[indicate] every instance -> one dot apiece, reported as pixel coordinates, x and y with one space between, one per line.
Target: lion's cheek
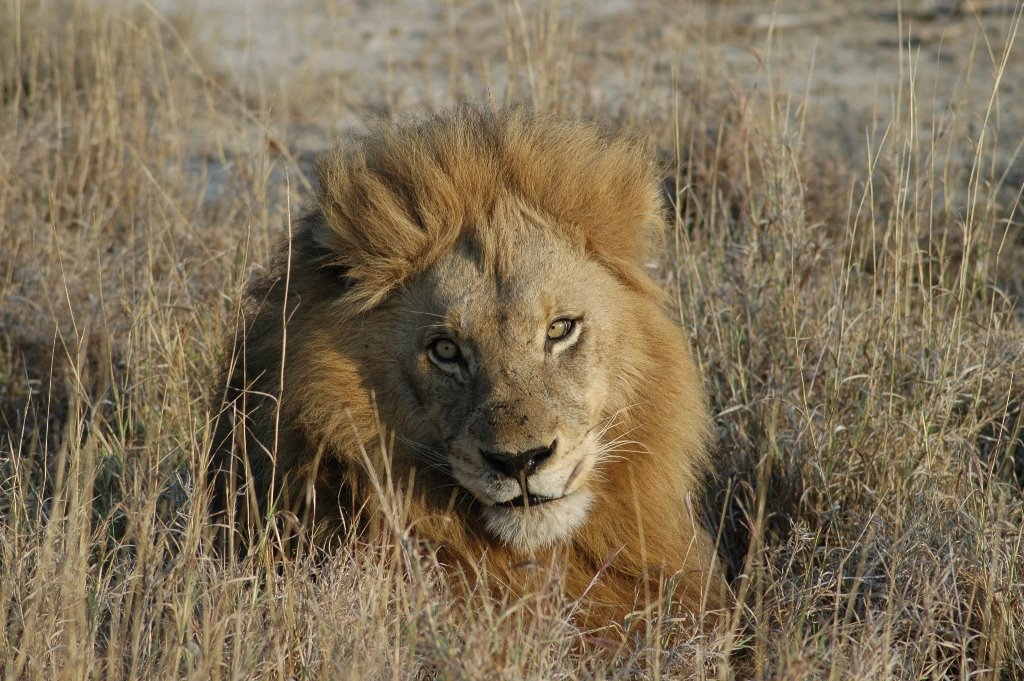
439 405
578 478
587 392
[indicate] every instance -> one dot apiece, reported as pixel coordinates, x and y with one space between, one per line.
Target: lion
466 316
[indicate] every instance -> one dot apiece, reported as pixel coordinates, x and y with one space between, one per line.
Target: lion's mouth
526 501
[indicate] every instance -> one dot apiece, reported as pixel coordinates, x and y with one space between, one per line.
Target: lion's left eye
560 328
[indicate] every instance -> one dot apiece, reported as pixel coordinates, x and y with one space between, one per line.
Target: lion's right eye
445 350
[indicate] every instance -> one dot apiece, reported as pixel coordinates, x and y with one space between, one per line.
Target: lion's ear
366 225
390 206
611 196
598 185
627 192
627 195
630 252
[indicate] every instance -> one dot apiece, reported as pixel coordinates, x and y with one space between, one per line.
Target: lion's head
510 355
472 290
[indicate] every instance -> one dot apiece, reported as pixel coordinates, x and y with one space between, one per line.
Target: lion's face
510 365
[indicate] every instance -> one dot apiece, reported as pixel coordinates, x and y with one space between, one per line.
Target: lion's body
417 295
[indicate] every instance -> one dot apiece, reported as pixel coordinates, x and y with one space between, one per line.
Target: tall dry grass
857 313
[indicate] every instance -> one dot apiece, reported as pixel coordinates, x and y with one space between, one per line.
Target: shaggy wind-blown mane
404 194
306 436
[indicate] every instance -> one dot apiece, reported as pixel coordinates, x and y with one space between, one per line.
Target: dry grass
857 312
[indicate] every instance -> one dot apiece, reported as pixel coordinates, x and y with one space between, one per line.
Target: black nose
519 464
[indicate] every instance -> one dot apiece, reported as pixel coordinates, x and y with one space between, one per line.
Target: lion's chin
529 528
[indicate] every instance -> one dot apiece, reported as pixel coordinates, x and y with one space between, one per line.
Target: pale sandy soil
846 61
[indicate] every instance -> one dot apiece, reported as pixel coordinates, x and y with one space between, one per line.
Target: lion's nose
519 464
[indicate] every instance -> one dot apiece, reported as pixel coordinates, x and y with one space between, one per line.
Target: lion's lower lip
526 501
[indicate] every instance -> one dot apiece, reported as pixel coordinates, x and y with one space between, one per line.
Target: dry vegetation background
848 254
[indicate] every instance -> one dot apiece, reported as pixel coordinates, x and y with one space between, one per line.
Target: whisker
429 314
611 421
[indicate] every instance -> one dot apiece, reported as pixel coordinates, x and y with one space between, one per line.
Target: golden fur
479 234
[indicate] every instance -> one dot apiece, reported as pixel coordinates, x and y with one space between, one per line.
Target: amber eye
560 328
445 350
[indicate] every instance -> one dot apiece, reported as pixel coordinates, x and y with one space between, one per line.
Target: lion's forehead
508 305
533 268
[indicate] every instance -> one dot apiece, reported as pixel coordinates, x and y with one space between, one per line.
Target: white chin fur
529 529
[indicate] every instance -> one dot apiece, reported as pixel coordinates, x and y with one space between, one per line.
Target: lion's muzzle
519 465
